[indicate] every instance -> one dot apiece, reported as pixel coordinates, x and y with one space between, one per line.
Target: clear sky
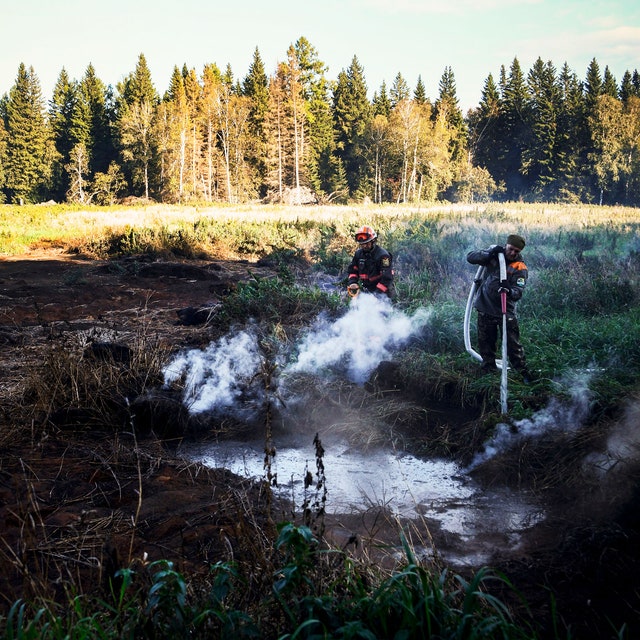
411 37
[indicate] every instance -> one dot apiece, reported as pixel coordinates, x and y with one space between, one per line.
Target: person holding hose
488 303
371 266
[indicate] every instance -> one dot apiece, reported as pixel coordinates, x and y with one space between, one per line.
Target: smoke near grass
226 373
357 341
217 377
622 451
566 415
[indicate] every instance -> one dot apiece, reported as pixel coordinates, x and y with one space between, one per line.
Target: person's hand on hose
495 250
504 289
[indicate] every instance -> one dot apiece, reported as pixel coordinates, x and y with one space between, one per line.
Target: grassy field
584 262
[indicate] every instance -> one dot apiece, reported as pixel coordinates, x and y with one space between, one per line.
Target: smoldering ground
229 375
318 383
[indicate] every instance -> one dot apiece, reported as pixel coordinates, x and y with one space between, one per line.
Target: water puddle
475 522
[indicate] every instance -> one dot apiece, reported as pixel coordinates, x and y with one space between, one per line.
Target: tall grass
584 263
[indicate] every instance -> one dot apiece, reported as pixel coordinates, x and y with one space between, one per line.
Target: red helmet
365 234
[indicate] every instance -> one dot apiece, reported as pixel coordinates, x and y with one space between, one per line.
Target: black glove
494 251
506 290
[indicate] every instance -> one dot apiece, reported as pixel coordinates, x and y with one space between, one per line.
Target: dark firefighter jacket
373 269
487 298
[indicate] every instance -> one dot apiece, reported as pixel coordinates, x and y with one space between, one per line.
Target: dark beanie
516 241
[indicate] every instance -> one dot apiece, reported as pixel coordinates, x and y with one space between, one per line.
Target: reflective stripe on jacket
373 269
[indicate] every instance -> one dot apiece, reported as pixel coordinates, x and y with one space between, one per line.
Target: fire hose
503 363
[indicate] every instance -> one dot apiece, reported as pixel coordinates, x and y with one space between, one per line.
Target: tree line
296 136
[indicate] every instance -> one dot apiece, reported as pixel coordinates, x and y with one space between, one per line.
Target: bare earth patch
79 504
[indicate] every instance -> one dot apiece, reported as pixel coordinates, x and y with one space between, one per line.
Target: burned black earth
78 501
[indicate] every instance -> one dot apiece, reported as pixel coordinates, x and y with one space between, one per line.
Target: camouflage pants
489 328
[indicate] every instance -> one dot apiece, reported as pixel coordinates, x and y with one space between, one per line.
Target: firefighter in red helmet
371 267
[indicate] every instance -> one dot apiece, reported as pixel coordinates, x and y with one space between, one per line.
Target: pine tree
378 150
3 147
420 93
399 90
212 90
381 102
175 132
29 145
352 113
193 96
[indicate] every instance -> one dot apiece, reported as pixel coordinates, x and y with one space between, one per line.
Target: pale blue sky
413 37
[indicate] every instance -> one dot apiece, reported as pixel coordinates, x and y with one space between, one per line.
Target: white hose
467 317
505 361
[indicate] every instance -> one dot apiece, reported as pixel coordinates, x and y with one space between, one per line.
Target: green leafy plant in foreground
321 593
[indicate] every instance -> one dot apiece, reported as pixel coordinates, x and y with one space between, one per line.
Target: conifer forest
296 136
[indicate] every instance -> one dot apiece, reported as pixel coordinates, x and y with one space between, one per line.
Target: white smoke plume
622 450
217 376
556 416
357 341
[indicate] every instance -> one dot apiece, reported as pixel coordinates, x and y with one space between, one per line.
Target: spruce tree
352 113
420 93
135 108
571 137
593 85
448 106
61 108
256 88
609 84
321 168
381 102
538 156
99 103
515 133
626 87
29 147
399 90
483 125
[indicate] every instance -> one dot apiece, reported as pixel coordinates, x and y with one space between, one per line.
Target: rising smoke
221 376
217 377
566 415
359 340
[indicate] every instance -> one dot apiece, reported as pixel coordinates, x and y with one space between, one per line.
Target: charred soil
78 501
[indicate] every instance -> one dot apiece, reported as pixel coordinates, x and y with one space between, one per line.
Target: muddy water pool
475 522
